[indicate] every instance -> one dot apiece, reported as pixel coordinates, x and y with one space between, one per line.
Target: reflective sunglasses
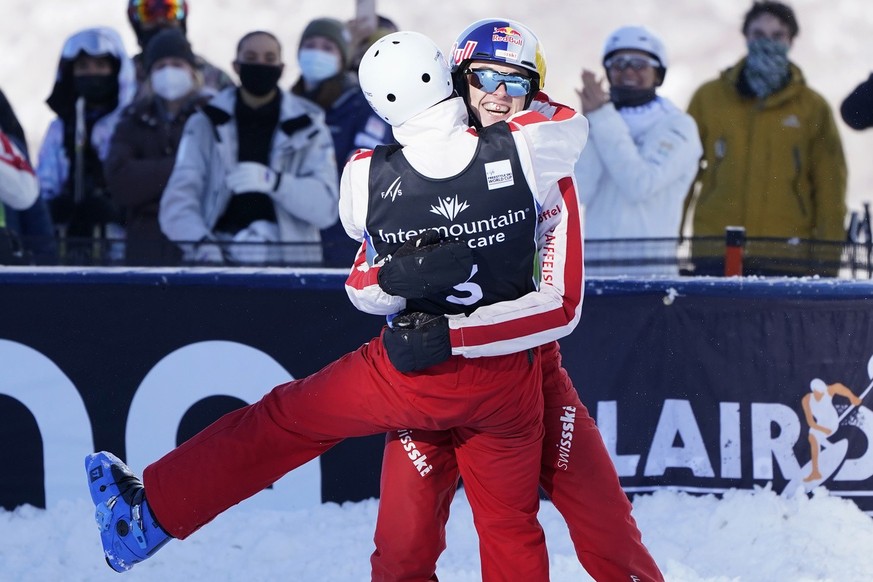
488 80
637 63
149 11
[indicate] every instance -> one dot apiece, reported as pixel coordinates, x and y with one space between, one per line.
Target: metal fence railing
614 257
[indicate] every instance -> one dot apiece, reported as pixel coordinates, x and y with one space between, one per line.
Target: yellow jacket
775 166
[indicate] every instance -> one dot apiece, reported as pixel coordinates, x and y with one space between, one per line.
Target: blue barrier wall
696 384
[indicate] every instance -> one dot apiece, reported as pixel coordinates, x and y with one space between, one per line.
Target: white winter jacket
197 195
633 178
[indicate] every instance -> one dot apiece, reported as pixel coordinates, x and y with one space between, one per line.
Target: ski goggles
95 42
489 80
151 11
636 62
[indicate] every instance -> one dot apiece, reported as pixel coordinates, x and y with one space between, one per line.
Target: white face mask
172 82
316 65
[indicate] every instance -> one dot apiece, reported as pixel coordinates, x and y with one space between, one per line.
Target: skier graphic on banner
823 419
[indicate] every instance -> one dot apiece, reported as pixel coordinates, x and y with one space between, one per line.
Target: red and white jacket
19 187
438 143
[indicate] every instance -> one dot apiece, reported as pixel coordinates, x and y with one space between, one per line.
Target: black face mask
257 79
628 97
96 88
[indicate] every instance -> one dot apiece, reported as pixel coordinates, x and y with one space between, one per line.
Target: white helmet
637 38
403 74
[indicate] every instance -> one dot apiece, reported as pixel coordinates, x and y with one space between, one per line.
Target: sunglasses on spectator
150 11
489 80
637 63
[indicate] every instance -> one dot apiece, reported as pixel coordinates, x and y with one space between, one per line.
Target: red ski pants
494 406
576 473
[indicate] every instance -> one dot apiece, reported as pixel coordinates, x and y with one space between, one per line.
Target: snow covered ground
744 537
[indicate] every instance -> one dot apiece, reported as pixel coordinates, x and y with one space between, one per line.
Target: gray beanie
334 30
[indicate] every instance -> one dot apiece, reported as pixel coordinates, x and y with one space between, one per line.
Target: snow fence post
735 243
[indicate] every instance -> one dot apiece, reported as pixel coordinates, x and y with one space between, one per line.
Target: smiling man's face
490 108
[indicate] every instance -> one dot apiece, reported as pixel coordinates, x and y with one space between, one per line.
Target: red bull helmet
500 40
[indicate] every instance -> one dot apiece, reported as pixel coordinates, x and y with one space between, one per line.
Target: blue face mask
317 66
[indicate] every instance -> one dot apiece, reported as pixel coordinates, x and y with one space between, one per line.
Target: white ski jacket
197 195
438 143
634 176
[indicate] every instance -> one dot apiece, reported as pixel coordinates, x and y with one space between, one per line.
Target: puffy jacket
774 166
633 177
138 167
197 195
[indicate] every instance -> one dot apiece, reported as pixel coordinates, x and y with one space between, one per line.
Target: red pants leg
361 394
414 505
580 479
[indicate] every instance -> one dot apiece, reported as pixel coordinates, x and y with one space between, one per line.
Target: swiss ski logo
393 190
449 208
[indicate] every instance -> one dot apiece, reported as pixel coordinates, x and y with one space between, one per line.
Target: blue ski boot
128 530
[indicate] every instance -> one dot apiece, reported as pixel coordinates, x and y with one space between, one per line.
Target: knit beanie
170 42
334 30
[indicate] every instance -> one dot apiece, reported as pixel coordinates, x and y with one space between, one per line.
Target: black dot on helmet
391 97
376 54
425 78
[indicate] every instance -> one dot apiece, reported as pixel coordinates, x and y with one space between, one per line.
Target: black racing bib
489 205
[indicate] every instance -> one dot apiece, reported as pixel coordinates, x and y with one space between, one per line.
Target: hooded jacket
55 162
774 166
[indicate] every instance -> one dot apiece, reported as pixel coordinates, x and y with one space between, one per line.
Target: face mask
259 80
316 65
96 88
172 83
767 68
630 97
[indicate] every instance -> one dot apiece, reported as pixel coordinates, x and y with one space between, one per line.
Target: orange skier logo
820 409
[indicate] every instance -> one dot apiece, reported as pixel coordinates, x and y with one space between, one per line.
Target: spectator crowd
163 158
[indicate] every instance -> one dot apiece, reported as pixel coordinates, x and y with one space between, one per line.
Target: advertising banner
696 385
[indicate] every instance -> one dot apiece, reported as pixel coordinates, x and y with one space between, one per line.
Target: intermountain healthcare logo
449 208
828 456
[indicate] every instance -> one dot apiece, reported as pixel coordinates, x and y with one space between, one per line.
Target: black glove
417 341
424 265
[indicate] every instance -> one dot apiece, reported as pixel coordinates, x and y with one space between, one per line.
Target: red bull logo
460 54
507 34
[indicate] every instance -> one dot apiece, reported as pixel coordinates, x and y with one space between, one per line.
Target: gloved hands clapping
252 177
417 340
425 265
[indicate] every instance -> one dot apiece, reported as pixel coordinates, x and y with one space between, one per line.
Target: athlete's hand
425 265
417 340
